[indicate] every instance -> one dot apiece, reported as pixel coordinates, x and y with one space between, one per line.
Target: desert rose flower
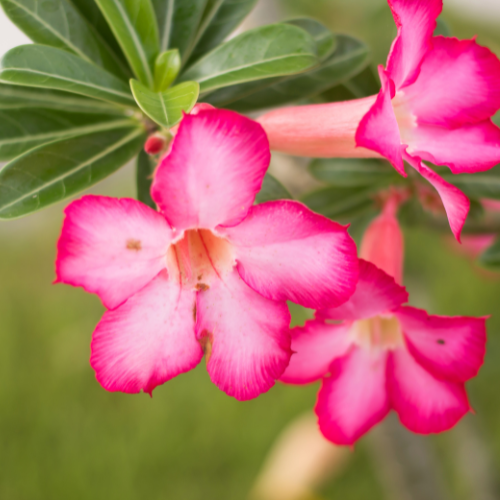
374 355
437 99
209 272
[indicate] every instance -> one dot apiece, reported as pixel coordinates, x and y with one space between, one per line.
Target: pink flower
374 354
437 99
209 273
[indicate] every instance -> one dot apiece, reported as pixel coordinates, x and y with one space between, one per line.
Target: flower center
379 332
199 257
407 121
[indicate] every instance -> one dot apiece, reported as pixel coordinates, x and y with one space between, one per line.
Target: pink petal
213 171
471 148
416 22
148 340
424 403
455 202
379 128
318 130
450 348
111 247
354 398
246 337
376 293
286 252
457 85
315 346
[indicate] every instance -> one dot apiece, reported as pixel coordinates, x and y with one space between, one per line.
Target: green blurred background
63 437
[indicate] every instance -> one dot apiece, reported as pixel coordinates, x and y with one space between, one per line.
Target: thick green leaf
55 171
165 108
272 190
491 257
325 39
48 67
364 84
274 50
220 19
134 24
167 67
340 203
59 24
144 177
23 129
350 56
478 185
17 97
178 22
342 172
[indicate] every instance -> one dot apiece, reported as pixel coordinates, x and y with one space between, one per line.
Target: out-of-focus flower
209 273
374 354
437 99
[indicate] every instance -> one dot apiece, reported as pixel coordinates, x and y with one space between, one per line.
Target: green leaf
274 50
478 185
491 257
17 97
272 190
23 129
48 67
325 39
144 176
167 67
354 172
364 84
165 108
59 24
134 24
220 19
341 203
56 171
350 56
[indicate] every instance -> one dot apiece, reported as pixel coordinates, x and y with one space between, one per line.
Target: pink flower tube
437 99
210 272
374 355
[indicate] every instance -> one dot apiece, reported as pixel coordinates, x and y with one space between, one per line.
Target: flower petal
450 348
379 130
455 202
457 85
467 149
285 251
111 247
245 337
416 22
376 293
315 346
215 168
424 403
354 398
148 340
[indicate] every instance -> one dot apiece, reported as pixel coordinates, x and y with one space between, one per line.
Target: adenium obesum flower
437 99
374 354
209 272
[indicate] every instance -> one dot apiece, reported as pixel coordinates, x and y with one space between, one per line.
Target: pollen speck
441 342
134 245
194 312
202 287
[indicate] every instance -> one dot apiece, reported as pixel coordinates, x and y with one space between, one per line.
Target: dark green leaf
167 67
144 177
220 19
165 108
55 171
364 84
350 56
325 39
59 24
17 97
48 67
23 129
272 190
442 27
340 203
134 24
343 172
274 50
478 185
491 257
